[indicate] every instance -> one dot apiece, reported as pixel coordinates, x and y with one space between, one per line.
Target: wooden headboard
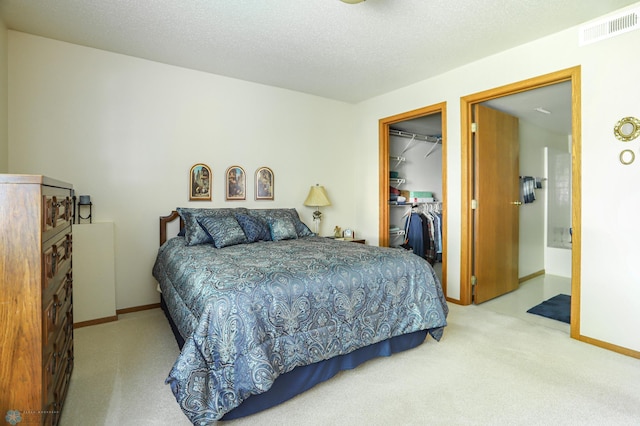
164 225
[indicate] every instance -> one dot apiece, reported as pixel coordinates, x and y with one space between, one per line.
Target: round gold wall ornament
627 129
627 157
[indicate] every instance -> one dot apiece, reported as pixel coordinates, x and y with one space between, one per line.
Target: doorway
430 117
468 104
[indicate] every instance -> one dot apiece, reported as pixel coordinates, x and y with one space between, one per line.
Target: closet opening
412 184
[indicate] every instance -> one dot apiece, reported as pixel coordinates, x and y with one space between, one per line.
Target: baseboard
95 321
137 308
115 317
610 346
531 276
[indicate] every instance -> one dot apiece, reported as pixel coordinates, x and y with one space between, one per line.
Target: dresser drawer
51 414
57 210
66 368
57 358
56 261
50 370
56 310
54 365
63 379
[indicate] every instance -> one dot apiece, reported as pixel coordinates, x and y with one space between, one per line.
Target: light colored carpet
489 369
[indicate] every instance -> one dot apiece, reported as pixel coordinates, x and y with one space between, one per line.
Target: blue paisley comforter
252 312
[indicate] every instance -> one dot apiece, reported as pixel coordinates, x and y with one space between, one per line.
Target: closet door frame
384 125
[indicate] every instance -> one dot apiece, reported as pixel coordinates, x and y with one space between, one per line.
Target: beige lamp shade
317 197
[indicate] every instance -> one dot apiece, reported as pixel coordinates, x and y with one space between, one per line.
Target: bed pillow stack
282 229
254 228
194 232
230 226
281 219
224 231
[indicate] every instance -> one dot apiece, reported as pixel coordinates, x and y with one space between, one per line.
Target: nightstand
351 240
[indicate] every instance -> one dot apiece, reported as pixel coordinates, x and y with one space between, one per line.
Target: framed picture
264 183
200 183
348 233
236 183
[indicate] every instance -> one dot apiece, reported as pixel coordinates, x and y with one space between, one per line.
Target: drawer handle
54 313
54 211
55 363
67 247
67 208
54 263
69 284
70 364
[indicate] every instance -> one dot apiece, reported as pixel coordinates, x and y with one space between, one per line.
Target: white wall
558 245
4 134
126 131
533 139
610 293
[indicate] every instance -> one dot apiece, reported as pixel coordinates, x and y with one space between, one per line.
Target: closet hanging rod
416 136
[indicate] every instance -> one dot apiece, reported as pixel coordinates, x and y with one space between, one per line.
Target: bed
264 309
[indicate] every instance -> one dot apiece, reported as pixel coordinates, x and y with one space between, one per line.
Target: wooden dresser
36 309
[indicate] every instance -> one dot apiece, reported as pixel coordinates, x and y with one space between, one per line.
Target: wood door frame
466 105
383 133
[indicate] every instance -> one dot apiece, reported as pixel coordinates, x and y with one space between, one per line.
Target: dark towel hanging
527 189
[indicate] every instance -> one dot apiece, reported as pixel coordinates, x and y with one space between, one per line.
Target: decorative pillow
194 233
301 229
267 215
224 231
282 229
254 228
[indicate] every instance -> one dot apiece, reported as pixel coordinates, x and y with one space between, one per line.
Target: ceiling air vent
610 26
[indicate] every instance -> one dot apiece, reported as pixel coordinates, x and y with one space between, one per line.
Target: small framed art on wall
200 183
264 183
236 183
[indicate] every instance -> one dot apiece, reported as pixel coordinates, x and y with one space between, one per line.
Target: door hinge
474 204
474 281
474 127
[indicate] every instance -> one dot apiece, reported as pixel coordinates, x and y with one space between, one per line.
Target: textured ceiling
322 47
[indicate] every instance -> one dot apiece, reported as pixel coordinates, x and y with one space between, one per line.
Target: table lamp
317 198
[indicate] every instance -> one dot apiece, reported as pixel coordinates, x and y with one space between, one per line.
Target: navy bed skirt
304 378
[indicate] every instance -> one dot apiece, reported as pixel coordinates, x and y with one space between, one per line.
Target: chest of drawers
36 297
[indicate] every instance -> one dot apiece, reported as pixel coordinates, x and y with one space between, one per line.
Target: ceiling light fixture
542 110
352 1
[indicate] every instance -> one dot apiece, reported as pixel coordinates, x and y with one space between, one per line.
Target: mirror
627 129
